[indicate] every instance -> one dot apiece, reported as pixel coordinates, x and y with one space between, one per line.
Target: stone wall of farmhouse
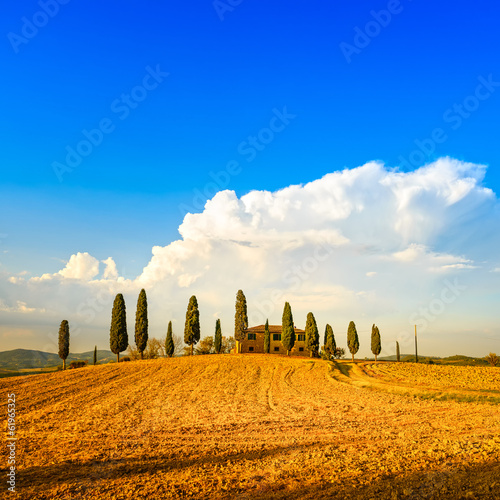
276 347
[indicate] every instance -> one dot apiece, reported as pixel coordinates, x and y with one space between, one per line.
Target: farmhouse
254 341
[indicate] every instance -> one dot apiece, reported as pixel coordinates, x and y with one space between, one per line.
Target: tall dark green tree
287 329
141 323
267 338
218 338
64 341
330 344
169 341
398 355
192 326
376 343
118 337
95 355
352 339
240 318
312 335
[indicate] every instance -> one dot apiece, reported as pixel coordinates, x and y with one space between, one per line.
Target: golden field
256 427
440 382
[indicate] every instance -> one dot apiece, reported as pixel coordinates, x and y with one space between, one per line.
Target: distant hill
21 359
458 360
392 358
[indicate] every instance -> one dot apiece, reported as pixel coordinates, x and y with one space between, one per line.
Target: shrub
325 354
492 359
339 352
154 349
206 346
77 364
125 358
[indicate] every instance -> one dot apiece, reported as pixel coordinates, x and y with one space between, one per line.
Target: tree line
329 348
152 348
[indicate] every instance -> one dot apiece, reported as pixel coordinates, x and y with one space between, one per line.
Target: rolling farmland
257 427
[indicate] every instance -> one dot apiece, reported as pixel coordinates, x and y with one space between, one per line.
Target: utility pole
416 351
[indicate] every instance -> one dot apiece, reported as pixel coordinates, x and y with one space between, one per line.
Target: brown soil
244 427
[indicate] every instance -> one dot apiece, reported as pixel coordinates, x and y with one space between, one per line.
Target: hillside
456 360
21 359
247 427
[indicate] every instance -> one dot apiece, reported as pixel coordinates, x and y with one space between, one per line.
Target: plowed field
252 427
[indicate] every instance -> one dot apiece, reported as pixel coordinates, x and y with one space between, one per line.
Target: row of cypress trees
288 332
118 332
353 340
119 339
119 336
312 335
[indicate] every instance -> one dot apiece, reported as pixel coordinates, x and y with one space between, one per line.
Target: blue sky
350 98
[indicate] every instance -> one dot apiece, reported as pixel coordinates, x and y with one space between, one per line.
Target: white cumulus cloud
313 245
110 272
81 266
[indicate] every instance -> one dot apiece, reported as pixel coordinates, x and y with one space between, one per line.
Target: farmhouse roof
272 329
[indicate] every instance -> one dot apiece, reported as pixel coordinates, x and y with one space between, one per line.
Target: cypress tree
95 355
287 329
169 341
64 341
218 338
352 339
267 338
312 335
118 337
240 317
376 344
192 326
398 357
141 323
330 345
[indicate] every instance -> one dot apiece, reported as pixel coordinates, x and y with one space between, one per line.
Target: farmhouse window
301 337
277 349
301 349
250 348
252 336
276 336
